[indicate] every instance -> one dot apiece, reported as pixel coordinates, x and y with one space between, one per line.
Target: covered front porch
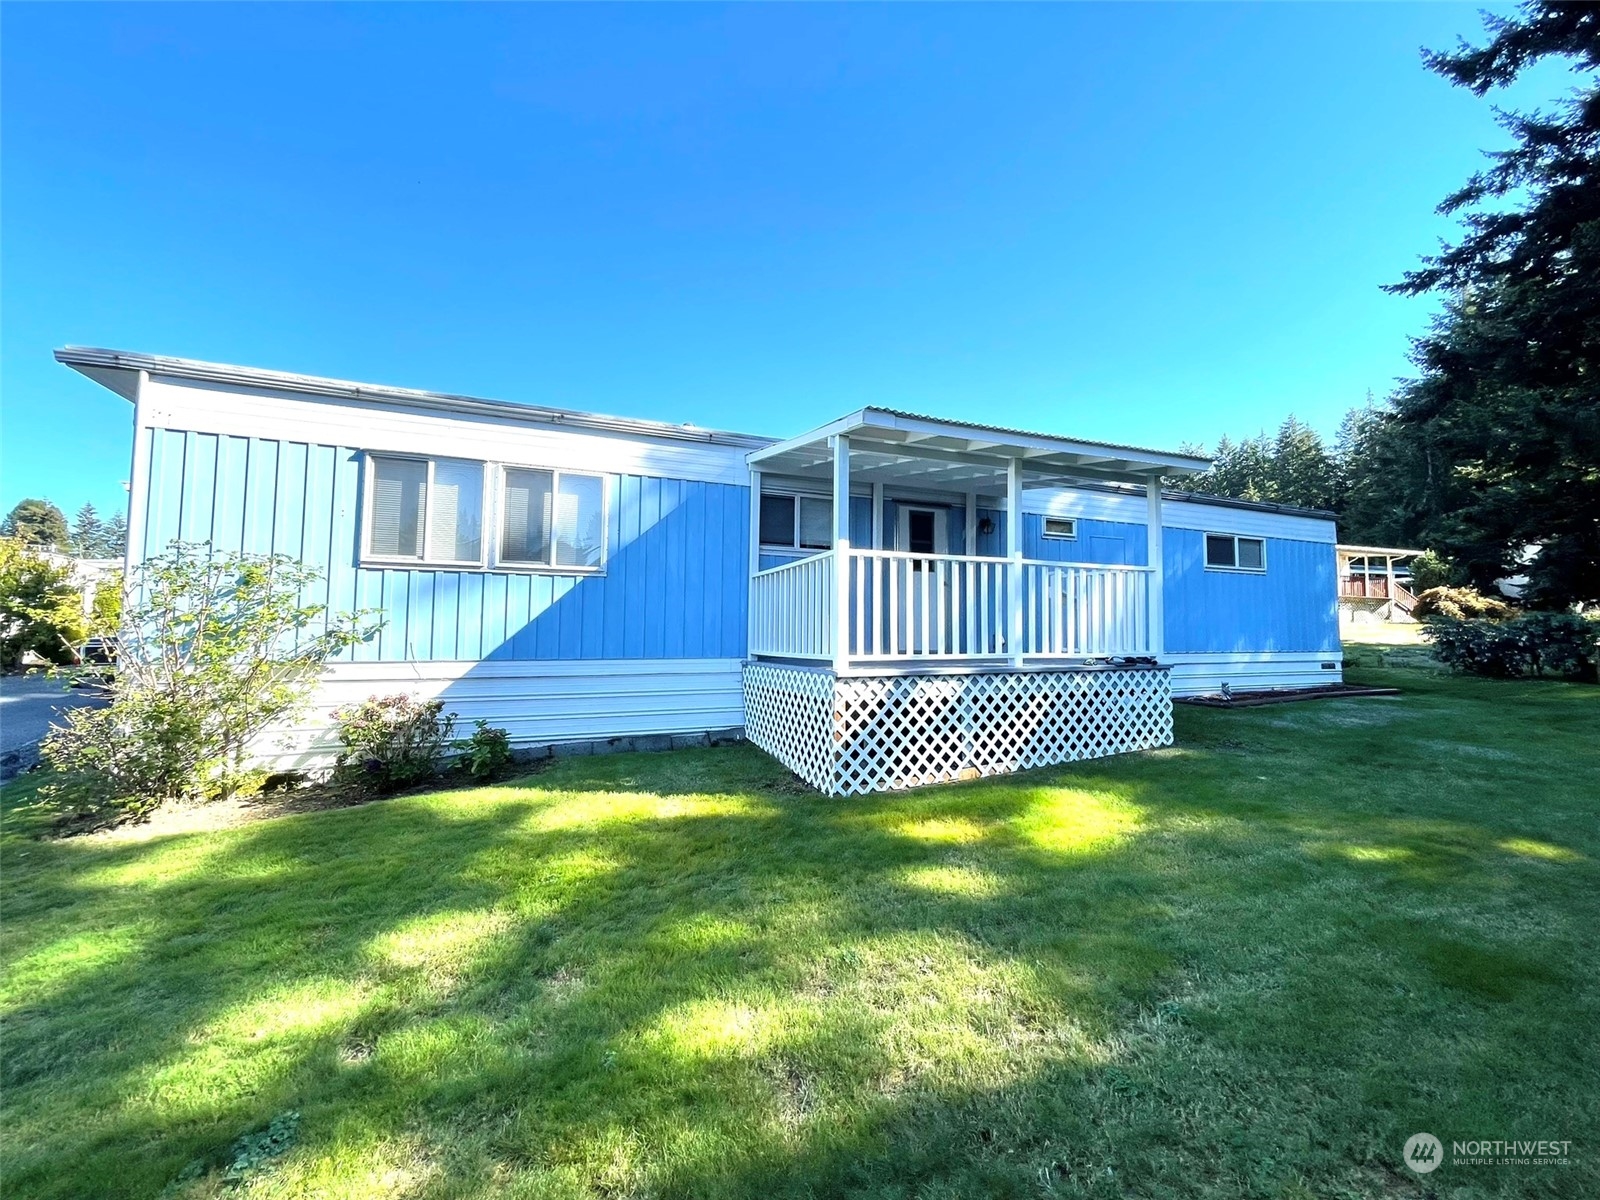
913 592
900 633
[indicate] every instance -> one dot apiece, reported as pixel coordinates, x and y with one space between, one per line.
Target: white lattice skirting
875 733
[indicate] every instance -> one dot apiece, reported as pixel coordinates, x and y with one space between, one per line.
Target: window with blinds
425 510
552 519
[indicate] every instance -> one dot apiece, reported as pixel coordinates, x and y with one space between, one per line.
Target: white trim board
538 703
1205 673
395 428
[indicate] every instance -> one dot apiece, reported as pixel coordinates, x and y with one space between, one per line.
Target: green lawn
1250 965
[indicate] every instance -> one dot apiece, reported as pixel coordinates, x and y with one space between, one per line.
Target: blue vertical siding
1289 607
674 585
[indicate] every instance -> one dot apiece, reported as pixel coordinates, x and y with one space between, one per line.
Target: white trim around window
563 485
426 524
1234 552
818 507
1060 528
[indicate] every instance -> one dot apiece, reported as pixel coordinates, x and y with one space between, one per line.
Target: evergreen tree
1504 416
37 524
88 533
114 537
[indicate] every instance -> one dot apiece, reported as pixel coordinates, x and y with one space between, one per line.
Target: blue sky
1137 223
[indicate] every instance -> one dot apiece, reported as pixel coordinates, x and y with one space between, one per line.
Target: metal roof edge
85 358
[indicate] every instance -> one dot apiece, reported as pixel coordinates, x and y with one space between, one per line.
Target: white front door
924 590
922 530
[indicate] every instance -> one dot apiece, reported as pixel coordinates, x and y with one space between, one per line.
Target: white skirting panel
874 733
539 703
1203 674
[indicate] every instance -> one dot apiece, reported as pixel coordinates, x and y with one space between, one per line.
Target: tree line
40 525
1490 455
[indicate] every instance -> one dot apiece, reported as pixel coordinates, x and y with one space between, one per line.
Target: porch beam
1157 564
841 551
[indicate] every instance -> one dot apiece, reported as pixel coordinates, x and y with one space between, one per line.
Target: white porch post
969 540
1157 564
877 517
841 552
1014 553
751 616
1388 563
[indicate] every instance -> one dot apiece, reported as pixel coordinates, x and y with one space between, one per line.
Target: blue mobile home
883 601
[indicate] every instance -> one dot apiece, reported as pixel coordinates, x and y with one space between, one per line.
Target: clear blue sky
1136 223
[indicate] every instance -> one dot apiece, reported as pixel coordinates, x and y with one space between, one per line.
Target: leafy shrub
1460 604
487 752
119 762
391 742
1564 645
215 649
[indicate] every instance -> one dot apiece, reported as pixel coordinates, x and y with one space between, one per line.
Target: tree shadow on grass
671 974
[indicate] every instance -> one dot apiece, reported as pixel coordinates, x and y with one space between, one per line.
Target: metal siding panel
442 615
712 592
496 643
469 615
227 519
199 487
166 490
520 615
732 594
564 605
613 606
289 508
697 567
631 567
649 589
674 552
260 495
348 588
396 587
315 533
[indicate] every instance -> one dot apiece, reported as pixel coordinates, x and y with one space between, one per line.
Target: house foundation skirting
857 734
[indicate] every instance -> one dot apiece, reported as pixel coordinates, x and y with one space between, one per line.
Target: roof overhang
1376 552
910 450
119 370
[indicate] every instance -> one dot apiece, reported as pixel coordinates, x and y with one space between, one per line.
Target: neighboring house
86 574
883 601
1375 584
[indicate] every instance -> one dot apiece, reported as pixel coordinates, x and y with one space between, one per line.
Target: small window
425 510
552 519
1226 552
803 522
1060 527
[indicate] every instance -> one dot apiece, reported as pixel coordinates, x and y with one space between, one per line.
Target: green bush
1563 645
391 742
486 753
1460 604
215 649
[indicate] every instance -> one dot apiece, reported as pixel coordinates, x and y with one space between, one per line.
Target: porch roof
887 446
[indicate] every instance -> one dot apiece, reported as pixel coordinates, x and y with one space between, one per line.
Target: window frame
422 561
1070 536
793 546
1235 538
497 563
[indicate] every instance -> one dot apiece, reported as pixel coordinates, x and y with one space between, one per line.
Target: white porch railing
899 605
791 613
